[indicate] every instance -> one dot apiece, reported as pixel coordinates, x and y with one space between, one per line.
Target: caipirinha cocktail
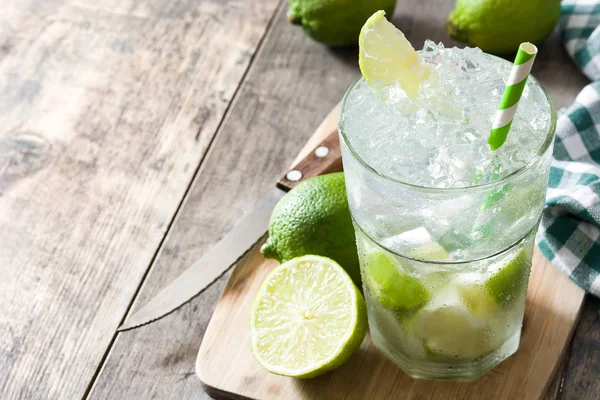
445 227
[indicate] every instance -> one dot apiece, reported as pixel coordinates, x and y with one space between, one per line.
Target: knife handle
313 160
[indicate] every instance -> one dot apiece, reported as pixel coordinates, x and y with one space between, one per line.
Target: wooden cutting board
228 370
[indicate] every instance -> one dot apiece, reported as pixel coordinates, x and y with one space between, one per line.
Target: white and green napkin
569 234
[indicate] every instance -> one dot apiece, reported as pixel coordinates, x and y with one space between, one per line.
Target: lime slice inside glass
488 297
475 295
392 329
449 329
393 288
430 251
307 318
507 283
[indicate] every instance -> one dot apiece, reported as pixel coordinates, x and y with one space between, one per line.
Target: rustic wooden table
134 134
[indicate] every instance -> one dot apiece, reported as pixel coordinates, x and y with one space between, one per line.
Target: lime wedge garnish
307 318
387 58
393 288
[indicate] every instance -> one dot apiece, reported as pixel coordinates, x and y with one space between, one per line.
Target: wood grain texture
280 104
107 108
577 377
554 389
290 88
552 307
582 372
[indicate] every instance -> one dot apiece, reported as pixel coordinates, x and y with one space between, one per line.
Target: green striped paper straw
512 94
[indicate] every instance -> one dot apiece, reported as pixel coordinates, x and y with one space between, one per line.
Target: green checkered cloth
569 234
578 23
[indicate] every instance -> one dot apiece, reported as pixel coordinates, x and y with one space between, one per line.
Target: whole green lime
314 218
335 22
500 26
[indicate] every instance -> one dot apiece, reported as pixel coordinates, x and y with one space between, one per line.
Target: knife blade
324 157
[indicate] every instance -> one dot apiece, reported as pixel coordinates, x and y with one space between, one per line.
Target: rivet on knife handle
325 158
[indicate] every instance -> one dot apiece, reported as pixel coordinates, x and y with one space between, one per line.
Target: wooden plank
552 307
554 389
279 105
107 108
289 90
583 368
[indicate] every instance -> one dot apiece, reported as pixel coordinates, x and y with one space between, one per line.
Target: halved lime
387 58
393 289
307 318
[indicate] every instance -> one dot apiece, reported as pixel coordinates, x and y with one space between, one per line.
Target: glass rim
541 151
531 232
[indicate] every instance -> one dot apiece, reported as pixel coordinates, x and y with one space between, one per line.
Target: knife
319 156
